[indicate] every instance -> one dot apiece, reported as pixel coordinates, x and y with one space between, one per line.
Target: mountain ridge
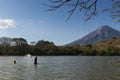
102 33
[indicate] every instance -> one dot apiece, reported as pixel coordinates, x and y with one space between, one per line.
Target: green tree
4 45
89 46
112 50
19 41
46 47
21 45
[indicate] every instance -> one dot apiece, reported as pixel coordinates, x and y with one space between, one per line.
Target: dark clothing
14 62
35 60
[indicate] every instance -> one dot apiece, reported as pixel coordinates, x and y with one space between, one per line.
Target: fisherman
35 60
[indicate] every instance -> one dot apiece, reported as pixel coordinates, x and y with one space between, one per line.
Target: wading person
14 62
35 60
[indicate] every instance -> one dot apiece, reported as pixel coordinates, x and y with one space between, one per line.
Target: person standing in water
35 60
14 62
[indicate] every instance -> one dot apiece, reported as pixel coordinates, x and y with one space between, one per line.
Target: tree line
46 48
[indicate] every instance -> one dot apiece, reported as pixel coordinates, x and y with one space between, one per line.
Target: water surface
60 68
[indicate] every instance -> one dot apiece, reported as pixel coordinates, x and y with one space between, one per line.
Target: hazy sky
27 19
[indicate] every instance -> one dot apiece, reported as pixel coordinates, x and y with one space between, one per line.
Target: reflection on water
60 68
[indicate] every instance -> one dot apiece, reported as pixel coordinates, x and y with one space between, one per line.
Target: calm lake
60 68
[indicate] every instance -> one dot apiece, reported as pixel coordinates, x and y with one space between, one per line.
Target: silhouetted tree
89 7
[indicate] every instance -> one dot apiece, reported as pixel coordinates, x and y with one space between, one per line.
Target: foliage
19 41
49 48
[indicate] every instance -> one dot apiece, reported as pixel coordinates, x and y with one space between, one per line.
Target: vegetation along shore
46 48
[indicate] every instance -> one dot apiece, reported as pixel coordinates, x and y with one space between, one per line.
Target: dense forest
46 48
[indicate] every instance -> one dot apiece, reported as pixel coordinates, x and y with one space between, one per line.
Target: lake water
60 68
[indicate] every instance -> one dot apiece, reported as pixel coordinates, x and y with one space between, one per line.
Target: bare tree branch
89 7
59 3
72 11
114 10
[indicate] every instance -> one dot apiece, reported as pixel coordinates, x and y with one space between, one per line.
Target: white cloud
7 23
